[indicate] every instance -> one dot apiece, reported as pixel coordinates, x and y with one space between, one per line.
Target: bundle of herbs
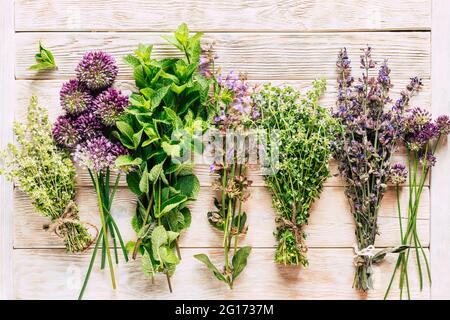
421 136
91 108
302 132
160 129
372 129
233 112
47 175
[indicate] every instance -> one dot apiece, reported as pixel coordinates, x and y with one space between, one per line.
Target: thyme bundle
160 129
91 108
234 111
422 136
303 132
364 150
47 175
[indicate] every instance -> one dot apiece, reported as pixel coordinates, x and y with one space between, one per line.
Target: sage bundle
47 175
303 132
234 111
372 127
159 130
92 107
421 136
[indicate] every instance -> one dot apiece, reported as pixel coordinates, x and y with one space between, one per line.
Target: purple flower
109 105
75 97
65 132
427 161
97 70
98 154
88 126
398 174
207 60
443 124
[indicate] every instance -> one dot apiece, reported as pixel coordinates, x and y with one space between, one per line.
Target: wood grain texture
329 276
270 56
440 206
7 99
239 15
330 225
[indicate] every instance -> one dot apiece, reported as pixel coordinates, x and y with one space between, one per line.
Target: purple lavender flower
97 70
88 126
65 132
443 124
75 97
398 174
98 154
109 105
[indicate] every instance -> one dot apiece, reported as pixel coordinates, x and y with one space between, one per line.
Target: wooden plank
218 15
440 206
328 276
48 93
7 99
267 56
331 224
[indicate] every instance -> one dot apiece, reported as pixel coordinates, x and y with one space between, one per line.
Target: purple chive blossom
75 97
97 70
443 124
427 161
65 132
88 126
398 174
109 105
98 154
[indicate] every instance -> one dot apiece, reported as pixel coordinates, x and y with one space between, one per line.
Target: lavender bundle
91 107
422 137
364 149
234 111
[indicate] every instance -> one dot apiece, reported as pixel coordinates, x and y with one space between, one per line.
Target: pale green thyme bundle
47 175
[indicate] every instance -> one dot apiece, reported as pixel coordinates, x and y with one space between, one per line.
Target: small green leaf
172 150
127 160
125 129
133 180
189 186
44 59
143 184
135 223
130 246
240 260
147 266
156 172
132 61
204 258
171 204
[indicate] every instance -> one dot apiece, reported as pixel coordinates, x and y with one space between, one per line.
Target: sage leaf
205 259
240 260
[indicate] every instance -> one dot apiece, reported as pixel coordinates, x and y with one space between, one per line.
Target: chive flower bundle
92 107
421 136
47 175
372 127
303 131
233 111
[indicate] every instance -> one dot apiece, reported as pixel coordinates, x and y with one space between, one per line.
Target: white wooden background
273 40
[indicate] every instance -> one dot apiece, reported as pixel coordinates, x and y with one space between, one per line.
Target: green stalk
102 215
91 264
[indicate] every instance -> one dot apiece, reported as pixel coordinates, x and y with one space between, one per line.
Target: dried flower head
98 154
398 174
97 70
65 132
75 97
109 105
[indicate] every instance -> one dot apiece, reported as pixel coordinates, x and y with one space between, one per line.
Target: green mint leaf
204 258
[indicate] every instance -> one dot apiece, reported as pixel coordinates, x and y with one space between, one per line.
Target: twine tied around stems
360 255
297 233
70 216
359 259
